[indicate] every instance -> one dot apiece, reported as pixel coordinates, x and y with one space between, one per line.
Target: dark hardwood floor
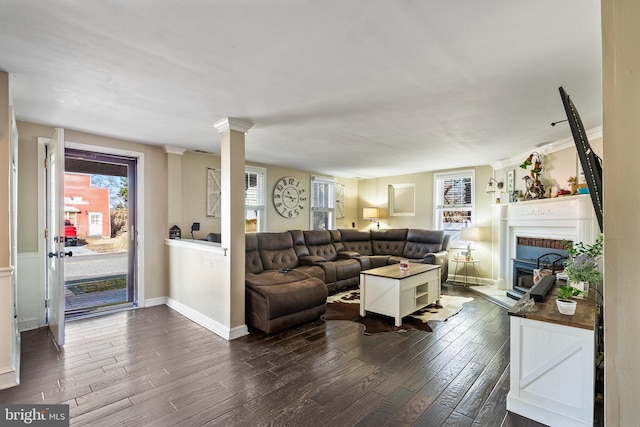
154 367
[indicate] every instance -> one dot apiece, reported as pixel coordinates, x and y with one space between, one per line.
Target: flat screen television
590 162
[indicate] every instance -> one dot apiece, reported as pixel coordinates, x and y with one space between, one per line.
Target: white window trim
454 174
332 209
262 223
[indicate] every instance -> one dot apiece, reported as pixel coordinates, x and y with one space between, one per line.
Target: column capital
228 123
174 150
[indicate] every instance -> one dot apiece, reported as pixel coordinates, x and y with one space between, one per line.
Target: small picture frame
461 256
511 176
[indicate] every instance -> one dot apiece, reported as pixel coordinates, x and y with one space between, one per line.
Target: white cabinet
553 365
398 293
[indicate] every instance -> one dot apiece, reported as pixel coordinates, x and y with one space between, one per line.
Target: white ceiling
355 88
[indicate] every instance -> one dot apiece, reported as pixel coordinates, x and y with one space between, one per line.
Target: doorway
100 217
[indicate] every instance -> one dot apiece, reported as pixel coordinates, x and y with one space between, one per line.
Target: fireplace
544 255
530 230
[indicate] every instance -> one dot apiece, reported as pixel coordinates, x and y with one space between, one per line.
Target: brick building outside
86 207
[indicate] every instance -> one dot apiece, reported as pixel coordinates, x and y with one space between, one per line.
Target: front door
101 277
55 290
95 223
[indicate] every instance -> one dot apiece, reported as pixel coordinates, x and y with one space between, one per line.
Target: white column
232 221
503 261
174 187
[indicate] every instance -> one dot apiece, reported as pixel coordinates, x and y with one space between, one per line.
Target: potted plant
581 267
565 304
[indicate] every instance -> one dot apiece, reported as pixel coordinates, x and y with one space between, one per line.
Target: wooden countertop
547 311
393 271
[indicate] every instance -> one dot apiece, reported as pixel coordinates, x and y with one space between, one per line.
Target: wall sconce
491 188
372 214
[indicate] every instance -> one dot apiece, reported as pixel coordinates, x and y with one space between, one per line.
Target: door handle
53 254
69 254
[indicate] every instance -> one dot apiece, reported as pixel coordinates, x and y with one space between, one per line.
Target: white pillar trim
228 124
174 150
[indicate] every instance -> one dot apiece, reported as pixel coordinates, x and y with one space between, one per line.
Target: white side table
465 265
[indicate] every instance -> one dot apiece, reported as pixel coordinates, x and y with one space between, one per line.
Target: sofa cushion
273 277
311 270
276 250
252 261
421 242
299 244
388 242
336 239
356 241
319 244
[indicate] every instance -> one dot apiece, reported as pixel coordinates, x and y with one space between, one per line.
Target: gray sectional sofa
289 274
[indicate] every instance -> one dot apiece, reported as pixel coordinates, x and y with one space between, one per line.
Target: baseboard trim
471 280
155 301
9 379
215 327
29 324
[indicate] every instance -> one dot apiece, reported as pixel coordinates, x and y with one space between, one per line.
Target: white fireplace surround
562 218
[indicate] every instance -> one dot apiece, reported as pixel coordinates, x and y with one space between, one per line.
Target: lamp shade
370 213
470 234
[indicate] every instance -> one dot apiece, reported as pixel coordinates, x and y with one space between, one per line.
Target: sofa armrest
365 262
311 260
437 258
348 255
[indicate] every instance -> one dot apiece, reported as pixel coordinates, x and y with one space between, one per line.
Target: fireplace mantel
563 218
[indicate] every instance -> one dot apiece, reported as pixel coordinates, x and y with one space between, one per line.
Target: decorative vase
567 307
583 287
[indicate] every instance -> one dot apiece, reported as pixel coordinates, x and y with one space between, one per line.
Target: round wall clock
289 197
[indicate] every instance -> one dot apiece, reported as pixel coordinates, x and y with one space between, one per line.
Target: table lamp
372 214
470 234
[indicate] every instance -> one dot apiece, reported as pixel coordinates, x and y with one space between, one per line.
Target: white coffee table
397 293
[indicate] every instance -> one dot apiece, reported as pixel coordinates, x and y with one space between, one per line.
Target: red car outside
70 233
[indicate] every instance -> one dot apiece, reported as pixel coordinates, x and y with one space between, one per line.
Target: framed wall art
213 192
402 199
511 177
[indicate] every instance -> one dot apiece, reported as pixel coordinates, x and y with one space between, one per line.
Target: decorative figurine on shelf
573 182
527 187
534 187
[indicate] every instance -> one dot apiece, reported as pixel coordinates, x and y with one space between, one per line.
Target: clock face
289 197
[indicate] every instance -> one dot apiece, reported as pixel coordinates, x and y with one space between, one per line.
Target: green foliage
123 191
567 292
592 251
582 265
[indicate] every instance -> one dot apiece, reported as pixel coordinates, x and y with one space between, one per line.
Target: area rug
346 306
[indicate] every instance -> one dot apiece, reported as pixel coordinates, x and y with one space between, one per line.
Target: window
254 188
322 203
454 199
